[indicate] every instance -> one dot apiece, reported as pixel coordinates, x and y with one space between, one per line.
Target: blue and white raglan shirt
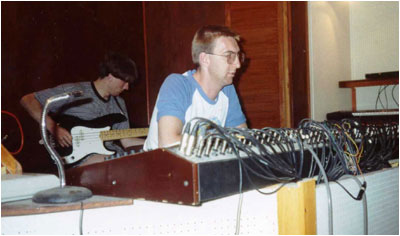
181 96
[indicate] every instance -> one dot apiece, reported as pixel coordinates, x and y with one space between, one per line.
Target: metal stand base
62 195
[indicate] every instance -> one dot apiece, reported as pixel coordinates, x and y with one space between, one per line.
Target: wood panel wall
300 86
259 84
170 27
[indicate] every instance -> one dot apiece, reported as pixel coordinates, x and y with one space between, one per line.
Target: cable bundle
329 150
381 144
279 154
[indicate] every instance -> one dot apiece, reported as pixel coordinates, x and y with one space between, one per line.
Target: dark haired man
206 92
101 98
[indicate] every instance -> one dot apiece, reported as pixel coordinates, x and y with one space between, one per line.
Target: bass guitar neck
123 133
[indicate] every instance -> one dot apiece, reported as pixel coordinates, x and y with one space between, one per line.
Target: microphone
63 194
64 96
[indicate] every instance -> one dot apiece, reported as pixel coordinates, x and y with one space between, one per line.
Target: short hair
204 39
119 66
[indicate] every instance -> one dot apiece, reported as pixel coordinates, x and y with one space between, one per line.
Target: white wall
346 41
374 40
329 38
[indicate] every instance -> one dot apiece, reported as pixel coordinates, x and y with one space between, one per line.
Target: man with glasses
100 100
205 92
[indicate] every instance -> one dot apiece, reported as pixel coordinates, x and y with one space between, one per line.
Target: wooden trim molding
284 64
146 61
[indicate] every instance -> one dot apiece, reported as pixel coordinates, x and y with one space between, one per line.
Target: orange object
12 166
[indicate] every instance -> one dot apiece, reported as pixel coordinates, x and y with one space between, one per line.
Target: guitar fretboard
123 133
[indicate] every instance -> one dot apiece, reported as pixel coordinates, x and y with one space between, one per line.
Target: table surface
28 207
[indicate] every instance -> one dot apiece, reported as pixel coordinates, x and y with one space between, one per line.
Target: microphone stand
62 194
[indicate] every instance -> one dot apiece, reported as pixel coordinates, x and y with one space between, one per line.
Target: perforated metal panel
215 217
382 201
62 223
259 214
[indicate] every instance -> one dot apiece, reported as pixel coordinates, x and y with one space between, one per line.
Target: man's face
117 86
220 69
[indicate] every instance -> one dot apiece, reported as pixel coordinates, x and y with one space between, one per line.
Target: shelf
353 84
367 82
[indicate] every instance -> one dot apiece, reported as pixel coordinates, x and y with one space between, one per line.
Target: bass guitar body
85 136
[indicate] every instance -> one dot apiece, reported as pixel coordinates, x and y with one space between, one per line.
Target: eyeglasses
231 56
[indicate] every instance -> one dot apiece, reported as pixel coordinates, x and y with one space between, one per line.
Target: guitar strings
95 135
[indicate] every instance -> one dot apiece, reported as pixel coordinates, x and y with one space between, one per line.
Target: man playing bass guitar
100 106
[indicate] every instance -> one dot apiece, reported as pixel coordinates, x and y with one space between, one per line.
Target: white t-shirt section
201 108
182 97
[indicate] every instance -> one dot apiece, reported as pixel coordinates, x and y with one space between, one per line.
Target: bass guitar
88 136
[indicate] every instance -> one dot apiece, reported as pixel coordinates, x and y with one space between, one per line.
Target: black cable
379 98
274 191
394 99
347 191
387 103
